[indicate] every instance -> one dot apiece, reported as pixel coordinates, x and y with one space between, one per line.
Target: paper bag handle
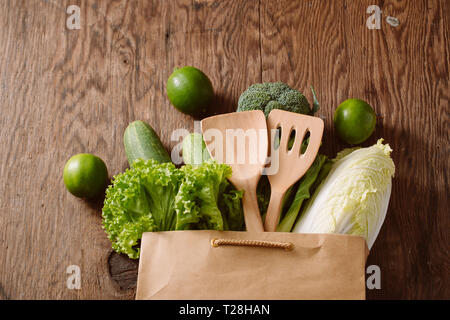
252 243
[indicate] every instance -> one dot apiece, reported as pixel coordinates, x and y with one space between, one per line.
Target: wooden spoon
292 165
246 156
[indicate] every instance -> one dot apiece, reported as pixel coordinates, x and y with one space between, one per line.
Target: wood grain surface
64 92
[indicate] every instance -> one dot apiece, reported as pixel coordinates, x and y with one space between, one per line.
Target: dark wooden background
69 91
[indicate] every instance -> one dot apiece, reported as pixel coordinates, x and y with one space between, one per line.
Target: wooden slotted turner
246 159
292 165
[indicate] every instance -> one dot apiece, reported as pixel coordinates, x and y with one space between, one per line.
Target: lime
85 175
190 90
354 121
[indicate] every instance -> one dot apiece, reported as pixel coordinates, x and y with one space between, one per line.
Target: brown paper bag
229 265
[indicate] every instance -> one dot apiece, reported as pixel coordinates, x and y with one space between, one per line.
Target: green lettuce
139 200
230 204
205 189
152 196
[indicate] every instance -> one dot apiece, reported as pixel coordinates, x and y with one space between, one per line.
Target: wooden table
69 91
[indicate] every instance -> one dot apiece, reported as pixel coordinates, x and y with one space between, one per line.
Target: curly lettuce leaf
140 199
198 196
153 196
230 204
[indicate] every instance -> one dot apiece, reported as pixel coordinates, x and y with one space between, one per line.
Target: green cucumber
141 141
194 149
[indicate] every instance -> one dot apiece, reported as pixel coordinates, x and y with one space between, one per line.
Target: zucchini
141 141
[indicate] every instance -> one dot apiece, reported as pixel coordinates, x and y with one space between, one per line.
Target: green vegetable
140 199
155 196
85 175
197 204
263 194
323 173
354 197
230 205
303 193
315 102
275 95
195 153
142 142
194 149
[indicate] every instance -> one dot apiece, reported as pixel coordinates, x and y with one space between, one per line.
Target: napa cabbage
354 197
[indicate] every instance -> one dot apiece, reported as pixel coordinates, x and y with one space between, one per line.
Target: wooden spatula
292 164
239 139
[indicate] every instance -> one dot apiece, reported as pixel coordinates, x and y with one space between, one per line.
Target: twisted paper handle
252 243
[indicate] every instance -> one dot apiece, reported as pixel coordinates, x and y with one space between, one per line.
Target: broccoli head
275 95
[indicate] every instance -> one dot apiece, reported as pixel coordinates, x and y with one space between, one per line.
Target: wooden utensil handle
273 211
253 221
